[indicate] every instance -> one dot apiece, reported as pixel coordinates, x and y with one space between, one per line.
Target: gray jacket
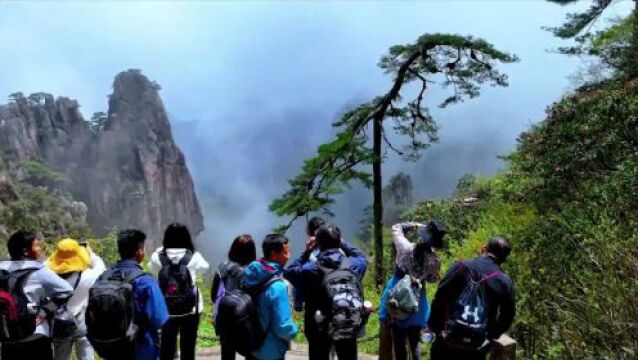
41 287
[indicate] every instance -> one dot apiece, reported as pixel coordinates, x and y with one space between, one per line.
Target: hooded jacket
40 287
197 265
273 307
307 276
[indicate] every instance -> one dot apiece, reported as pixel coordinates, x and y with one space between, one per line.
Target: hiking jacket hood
40 286
273 307
197 265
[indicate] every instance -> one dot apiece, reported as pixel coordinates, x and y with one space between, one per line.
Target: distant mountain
123 165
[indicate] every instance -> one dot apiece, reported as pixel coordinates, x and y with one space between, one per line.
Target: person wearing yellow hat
69 257
80 267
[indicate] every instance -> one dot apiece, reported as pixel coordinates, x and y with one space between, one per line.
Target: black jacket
307 276
499 295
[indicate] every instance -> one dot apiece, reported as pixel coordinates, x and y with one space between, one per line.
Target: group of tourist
73 301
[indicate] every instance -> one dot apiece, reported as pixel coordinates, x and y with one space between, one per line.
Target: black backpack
110 315
64 325
467 326
238 319
16 321
343 305
177 285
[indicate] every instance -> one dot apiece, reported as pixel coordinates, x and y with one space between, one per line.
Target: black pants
38 348
186 326
319 347
228 349
440 351
409 336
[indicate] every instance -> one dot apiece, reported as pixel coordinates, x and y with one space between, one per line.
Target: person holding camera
77 264
404 306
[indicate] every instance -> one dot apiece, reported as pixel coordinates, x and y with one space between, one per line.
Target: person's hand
409 226
311 243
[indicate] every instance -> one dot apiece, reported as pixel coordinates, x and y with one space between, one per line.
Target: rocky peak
129 172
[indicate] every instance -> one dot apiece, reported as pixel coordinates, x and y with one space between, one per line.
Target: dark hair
432 235
499 248
243 250
177 236
328 236
273 243
313 224
128 242
20 242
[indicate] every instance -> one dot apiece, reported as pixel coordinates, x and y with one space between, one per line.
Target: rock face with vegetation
123 165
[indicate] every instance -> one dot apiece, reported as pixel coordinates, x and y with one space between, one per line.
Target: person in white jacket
166 262
80 267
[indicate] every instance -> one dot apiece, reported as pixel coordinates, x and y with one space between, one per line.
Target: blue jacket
273 307
418 319
307 276
150 311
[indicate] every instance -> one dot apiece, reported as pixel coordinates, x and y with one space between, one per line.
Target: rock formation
126 169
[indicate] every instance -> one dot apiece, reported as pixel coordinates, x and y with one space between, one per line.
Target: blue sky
252 87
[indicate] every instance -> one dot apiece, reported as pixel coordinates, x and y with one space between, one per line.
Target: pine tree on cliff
577 25
459 63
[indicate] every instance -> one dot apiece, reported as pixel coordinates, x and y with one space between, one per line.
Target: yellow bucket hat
69 257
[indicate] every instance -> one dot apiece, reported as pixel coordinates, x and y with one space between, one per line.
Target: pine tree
459 63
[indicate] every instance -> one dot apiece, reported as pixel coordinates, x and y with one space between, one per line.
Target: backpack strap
77 281
163 258
490 276
18 277
484 277
273 279
115 274
136 273
263 285
344 266
186 259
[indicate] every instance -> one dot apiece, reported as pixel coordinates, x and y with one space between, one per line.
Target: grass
206 334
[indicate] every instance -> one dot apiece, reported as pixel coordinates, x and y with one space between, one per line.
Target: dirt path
297 352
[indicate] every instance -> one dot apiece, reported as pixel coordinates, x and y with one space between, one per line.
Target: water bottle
319 317
365 315
427 338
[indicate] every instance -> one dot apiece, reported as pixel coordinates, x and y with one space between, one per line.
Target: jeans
38 348
409 336
319 347
184 326
441 351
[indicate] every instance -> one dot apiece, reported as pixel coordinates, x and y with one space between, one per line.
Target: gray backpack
403 299
344 300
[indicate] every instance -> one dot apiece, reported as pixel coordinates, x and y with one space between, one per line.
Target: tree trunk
377 221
